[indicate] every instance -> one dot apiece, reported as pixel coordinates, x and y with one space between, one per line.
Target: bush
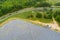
58 18
57 4
56 14
38 15
43 4
30 16
48 16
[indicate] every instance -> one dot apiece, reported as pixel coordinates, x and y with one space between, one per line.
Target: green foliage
43 4
57 4
57 16
30 16
30 3
7 6
39 15
48 14
1 1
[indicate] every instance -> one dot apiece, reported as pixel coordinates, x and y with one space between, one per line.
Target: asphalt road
21 30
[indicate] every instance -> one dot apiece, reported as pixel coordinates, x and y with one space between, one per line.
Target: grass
45 20
25 15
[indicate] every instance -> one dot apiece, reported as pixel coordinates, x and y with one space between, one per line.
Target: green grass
45 20
25 15
22 15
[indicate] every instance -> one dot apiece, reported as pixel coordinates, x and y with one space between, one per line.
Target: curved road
21 30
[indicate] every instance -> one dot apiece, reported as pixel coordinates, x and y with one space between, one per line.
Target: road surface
21 30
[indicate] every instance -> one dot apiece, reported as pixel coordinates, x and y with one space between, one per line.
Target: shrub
38 15
57 4
30 16
58 18
43 4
